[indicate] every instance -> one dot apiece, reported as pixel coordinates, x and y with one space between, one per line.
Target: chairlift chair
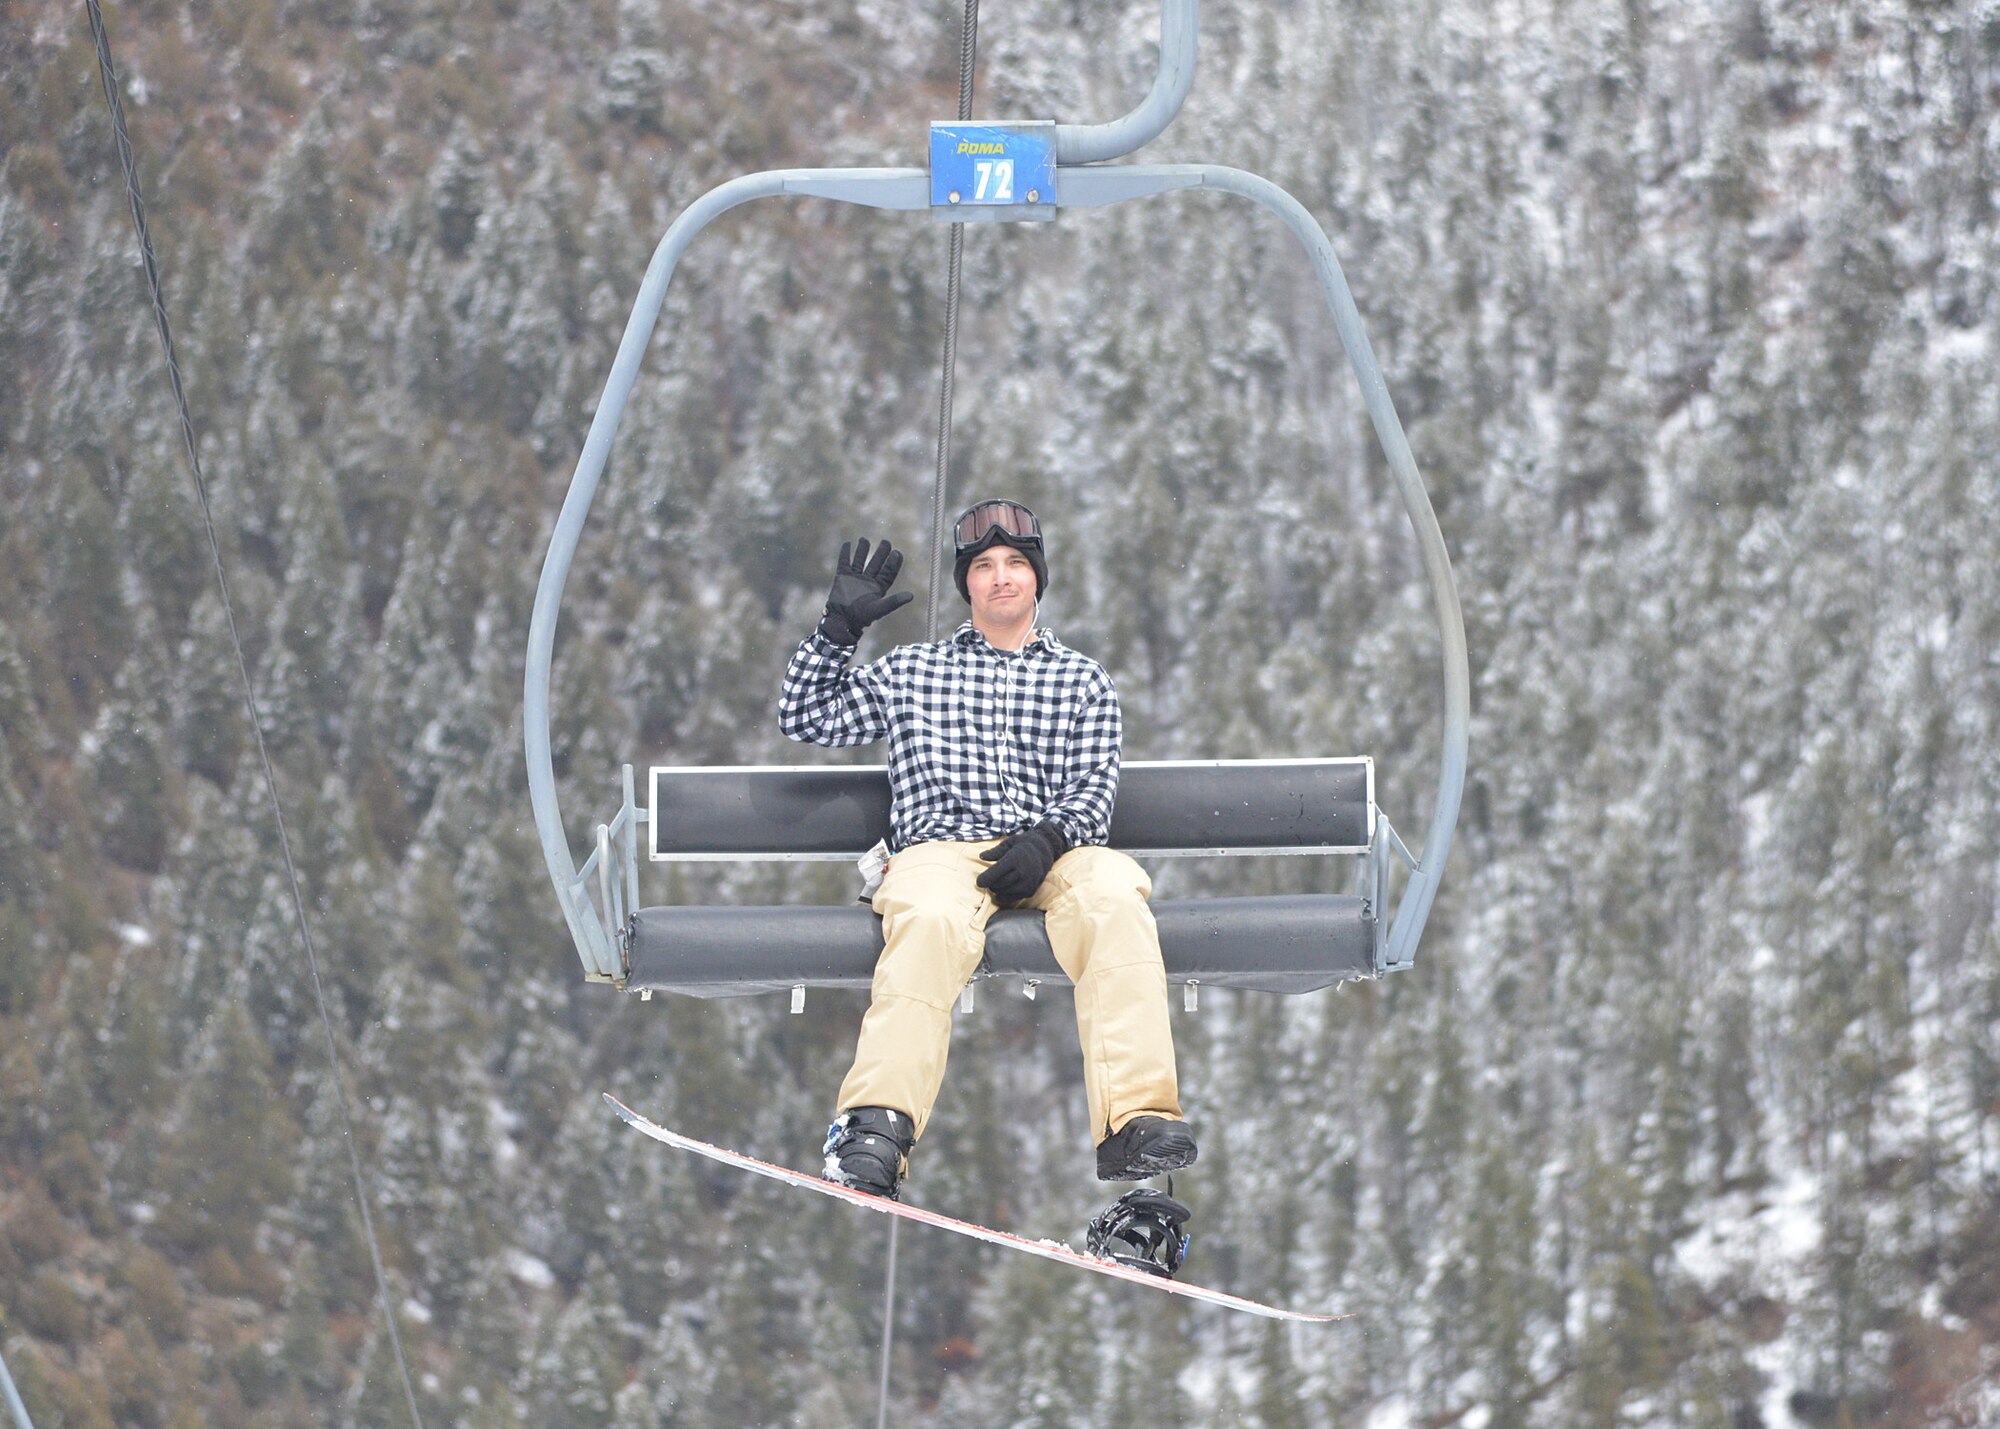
1294 943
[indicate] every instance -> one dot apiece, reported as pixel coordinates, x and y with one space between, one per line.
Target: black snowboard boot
868 1148
1142 1229
1146 1147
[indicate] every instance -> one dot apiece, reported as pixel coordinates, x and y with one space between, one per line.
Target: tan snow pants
934 932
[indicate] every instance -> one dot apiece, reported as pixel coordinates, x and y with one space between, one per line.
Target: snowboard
1047 1249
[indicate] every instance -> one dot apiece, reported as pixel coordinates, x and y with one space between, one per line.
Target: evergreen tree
159 526
302 227
316 615
307 1351
672 1386
1043 1373
129 762
353 912
272 981
132 1063
576 1374
756 1344
20 877
227 1162
489 1331
207 695
460 190
324 1213
20 726
377 1395
79 597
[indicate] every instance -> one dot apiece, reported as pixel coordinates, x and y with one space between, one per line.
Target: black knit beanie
997 537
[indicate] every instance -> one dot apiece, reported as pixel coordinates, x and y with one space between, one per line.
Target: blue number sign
988 172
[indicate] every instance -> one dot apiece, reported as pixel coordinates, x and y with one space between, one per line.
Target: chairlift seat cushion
1293 943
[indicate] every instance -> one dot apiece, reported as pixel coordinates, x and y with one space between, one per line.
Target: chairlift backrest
1165 808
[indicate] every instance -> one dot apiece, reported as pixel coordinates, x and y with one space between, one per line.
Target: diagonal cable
108 72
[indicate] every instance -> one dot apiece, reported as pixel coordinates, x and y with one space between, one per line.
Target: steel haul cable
108 72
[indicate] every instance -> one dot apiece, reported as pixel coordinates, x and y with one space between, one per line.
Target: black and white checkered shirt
982 742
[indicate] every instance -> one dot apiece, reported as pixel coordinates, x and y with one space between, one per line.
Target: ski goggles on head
1010 518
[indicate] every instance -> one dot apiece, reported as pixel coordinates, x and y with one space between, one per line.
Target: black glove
860 594
1021 861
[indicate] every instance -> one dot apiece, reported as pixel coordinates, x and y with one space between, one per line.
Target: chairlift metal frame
601 926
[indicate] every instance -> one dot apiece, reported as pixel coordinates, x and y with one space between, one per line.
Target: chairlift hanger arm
1415 905
1092 143
1075 145
1093 187
873 188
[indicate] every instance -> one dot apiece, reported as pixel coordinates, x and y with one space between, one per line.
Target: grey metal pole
874 188
13 1397
888 1327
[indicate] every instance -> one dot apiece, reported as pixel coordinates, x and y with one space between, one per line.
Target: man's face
1001 584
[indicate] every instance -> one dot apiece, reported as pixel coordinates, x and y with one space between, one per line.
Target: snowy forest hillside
1689 1114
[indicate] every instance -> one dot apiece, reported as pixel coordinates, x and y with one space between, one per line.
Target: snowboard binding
1142 1229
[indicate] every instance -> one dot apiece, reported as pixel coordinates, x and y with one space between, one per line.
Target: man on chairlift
1003 768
